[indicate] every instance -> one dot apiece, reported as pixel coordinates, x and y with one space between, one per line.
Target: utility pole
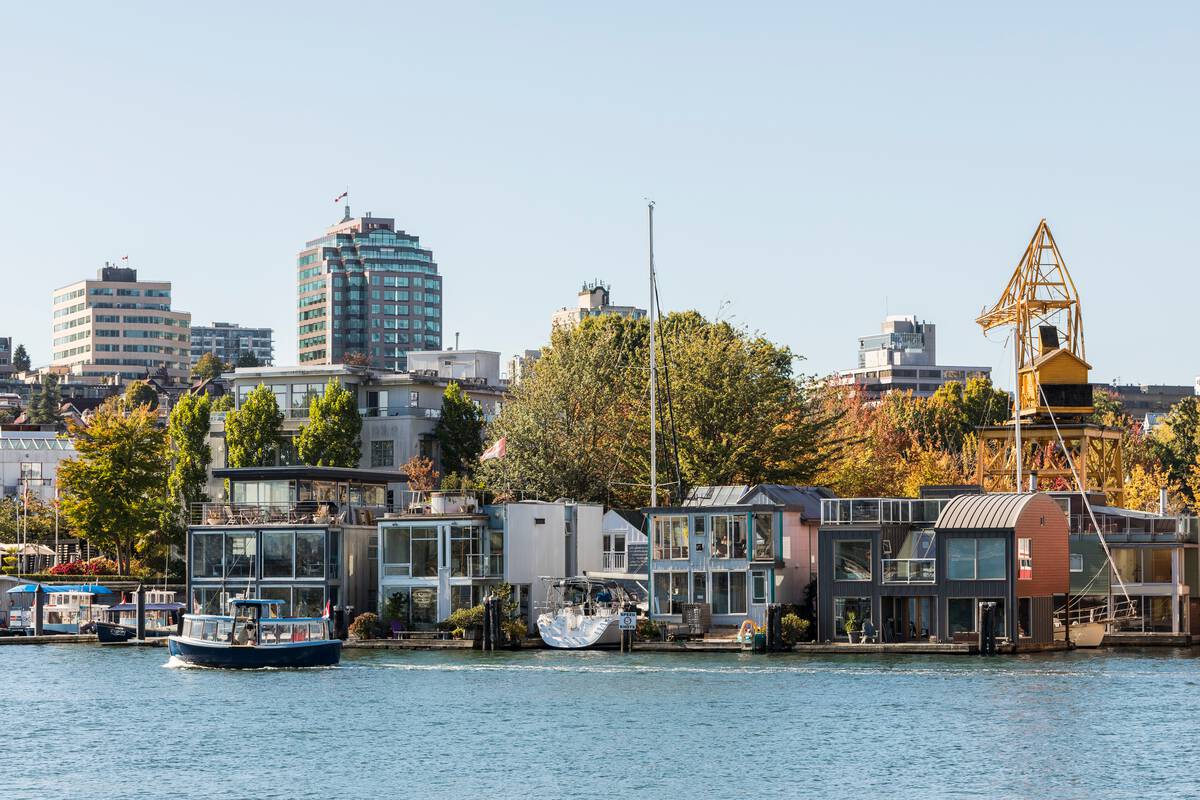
653 376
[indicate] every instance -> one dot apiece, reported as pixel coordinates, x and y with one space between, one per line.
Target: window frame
837 543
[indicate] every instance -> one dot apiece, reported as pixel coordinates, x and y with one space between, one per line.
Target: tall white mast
653 376
1018 452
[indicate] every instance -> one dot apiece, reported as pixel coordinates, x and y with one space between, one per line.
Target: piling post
39 606
139 599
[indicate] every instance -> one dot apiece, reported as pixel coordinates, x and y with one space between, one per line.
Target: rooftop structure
366 290
119 327
903 357
593 300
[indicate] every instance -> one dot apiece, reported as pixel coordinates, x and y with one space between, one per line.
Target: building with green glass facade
365 288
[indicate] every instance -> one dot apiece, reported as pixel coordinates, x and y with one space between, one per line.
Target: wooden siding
1043 619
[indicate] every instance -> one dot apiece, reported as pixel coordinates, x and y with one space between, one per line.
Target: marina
454 724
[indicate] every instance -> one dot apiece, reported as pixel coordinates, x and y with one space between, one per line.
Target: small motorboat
582 612
254 636
162 618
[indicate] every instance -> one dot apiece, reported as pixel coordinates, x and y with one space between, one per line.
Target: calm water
92 722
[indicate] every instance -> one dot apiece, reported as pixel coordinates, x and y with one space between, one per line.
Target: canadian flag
495 451
340 196
326 609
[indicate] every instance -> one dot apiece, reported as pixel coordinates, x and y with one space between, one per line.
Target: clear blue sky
812 167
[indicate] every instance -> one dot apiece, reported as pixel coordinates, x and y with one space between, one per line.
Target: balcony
613 562
399 411
906 571
302 513
489 566
880 511
1134 529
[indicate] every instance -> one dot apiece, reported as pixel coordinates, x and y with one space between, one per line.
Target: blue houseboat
253 636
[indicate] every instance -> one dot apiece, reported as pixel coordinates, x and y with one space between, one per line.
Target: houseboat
582 613
254 636
162 618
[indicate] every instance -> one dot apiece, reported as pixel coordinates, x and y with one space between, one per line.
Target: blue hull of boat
324 653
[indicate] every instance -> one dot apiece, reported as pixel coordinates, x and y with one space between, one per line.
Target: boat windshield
245 632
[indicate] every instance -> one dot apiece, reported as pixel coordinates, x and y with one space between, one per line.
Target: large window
277 554
310 554
206 555
397 555
851 560
1143 565
844 607
464 546
424 553
424 608
975 559
670 592
764 537
283 593
729 536
729 593
239 555
964 614
670 537
308 601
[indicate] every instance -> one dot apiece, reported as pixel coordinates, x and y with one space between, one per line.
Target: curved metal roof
982 511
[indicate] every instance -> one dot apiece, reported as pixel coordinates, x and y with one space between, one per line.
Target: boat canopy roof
583 580
28 588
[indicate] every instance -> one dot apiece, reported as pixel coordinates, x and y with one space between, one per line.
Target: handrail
909 570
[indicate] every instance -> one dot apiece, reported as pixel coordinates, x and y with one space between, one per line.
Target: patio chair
397 629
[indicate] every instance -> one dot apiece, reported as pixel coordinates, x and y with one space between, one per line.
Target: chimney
1162 501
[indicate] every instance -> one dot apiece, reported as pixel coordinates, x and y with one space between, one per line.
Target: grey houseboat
918 570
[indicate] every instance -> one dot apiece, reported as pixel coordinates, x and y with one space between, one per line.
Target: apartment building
228 342
119 327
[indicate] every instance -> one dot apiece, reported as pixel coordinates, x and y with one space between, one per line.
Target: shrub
464 618
647 628
365 626
97 566
793 628
514 629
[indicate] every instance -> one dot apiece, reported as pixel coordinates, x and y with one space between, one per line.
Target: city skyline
808 223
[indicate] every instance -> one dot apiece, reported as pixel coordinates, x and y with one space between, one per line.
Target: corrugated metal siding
1043 619
983 511
1044 522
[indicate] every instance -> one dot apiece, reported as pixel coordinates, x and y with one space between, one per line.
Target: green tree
114 492
208 367
459 431
187 431
1176 444
331 437
20 359
578 426
252 432
247 359
44 406
141 393
223 403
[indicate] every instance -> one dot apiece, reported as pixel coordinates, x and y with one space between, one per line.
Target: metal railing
400 411
489 566
1138 528
880 510
909 570
613 562
306 512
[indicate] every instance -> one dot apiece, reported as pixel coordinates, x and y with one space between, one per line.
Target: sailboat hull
577 632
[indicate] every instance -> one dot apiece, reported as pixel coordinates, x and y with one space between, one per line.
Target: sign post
627 621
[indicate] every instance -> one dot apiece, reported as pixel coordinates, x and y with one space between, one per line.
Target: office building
594 300
1140 400
903 356
366 293
228 342
117 327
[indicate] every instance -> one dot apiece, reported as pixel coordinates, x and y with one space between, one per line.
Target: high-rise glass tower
366 290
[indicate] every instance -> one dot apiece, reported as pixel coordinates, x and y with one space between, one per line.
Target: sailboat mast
653 376
1018 452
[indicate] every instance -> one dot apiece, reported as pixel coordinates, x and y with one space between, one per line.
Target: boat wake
174 662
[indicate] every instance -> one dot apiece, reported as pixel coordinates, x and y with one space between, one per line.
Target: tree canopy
246 359
207 367
729 403
44 406
20 359
114 491
187 431
252 432
331 436
459 431
141 393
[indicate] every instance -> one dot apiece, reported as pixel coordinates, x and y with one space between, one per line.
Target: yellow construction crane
1041 305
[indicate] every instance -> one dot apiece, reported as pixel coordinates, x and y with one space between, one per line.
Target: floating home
732 550
302 535
442 551
919 569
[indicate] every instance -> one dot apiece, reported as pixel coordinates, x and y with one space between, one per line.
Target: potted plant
852 626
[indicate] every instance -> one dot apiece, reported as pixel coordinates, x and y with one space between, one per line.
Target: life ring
746 632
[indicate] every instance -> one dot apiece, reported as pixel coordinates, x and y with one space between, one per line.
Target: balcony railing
399 411
1134 529
613 562
489 566
909 570
880 511
292 513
